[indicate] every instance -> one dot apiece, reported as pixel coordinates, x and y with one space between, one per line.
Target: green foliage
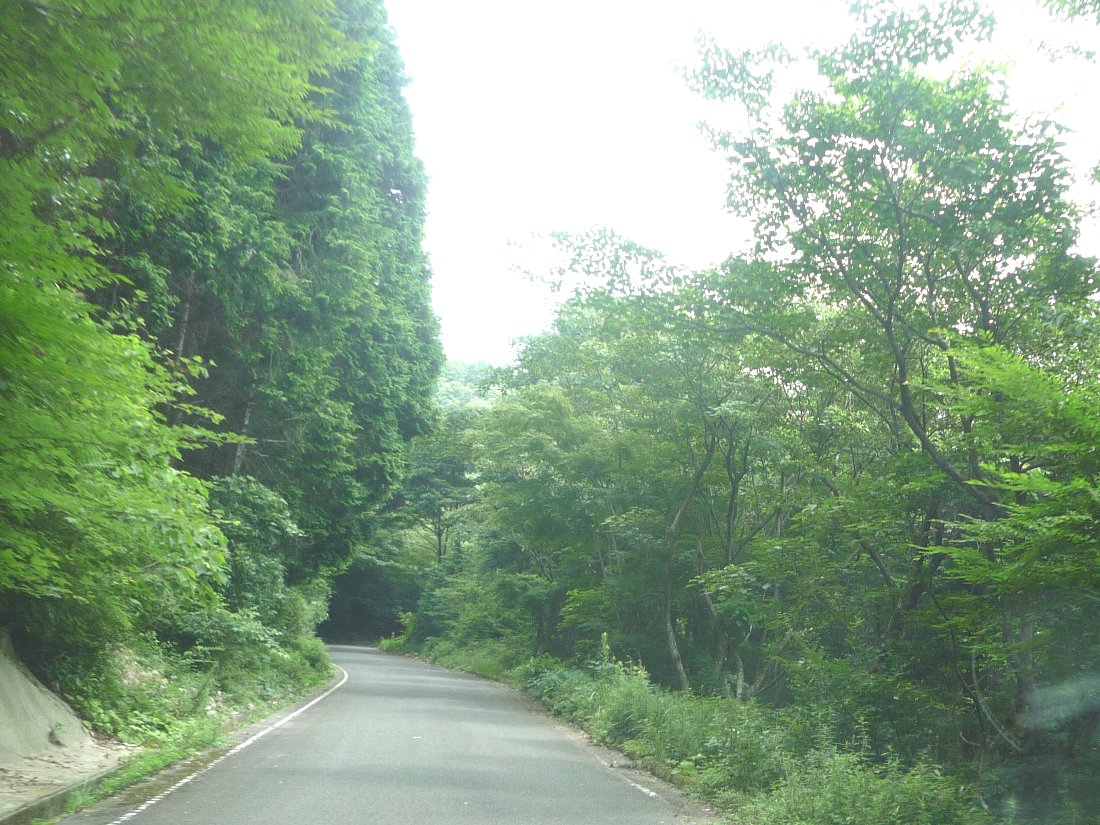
91 464
844 487
424 521
261 534
440 479
721 745
845 484
327 348
474 605
100 65
830 788
400 641
168 735
382 584
1047 467
1075 8
210 265
753 762
462 386
492 658
87 463
146 693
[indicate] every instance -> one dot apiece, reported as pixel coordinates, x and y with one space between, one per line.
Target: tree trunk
185 318
238 455
673 646
724 645
711 444
1027 710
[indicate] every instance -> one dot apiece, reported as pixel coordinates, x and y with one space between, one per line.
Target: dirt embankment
44 747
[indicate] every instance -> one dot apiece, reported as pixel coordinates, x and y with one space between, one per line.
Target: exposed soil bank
44 747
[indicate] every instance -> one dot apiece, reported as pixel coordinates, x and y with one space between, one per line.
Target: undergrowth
174 706
145 692
765 766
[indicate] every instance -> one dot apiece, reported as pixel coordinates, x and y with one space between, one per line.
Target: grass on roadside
770 767
177 712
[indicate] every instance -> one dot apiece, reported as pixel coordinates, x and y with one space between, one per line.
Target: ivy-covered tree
358 349
302 283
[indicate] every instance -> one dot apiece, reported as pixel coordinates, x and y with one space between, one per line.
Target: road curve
406 743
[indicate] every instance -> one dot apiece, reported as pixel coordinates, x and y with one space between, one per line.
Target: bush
137 693
718 745
399 641
835 788
493 658
744 757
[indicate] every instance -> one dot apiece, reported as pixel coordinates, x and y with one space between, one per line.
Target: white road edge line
644 789
149 803
624 777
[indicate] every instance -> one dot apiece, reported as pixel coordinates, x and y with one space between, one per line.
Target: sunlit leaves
90 506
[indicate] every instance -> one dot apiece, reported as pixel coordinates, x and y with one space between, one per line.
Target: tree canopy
215 330
848 473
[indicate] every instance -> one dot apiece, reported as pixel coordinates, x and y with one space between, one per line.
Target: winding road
400 742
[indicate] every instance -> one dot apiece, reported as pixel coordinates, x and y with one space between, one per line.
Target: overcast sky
533 117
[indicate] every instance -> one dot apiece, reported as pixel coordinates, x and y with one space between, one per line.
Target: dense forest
216 340
815 531
842 490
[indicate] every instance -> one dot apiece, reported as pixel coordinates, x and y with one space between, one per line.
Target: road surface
402 742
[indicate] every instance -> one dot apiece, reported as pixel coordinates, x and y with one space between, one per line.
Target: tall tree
78 392
905 218
302 283
358 333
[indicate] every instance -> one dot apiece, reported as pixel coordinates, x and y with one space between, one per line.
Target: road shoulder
51 801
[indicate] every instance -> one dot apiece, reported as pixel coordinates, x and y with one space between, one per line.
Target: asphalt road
404 742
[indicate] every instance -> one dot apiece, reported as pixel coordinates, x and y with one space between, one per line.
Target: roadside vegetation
814 531
215 344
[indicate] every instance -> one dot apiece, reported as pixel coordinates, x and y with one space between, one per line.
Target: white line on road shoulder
149 803
615 770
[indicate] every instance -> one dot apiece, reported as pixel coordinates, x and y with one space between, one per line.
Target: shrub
399 641
742 756
493 658
718 745
138 693
835 788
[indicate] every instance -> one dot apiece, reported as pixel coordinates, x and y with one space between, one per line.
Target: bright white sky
534 116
